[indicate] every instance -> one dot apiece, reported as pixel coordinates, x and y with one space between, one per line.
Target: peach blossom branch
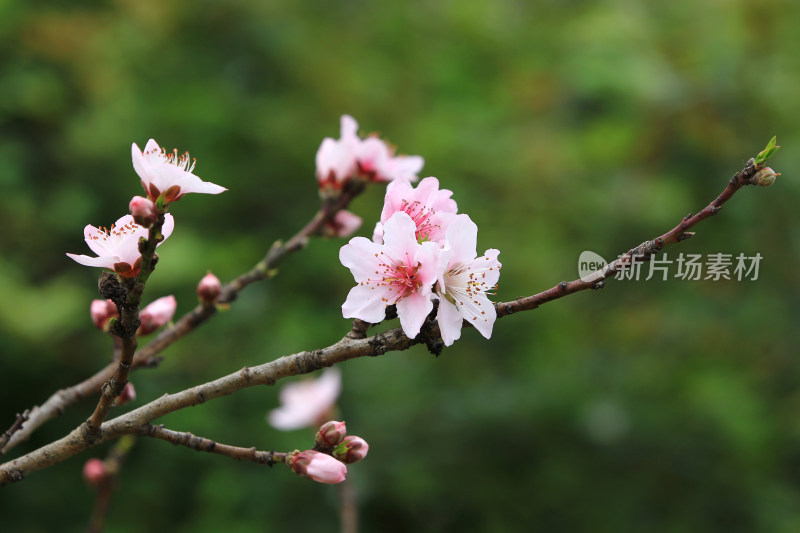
147 357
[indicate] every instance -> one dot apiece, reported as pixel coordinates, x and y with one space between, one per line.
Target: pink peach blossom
307 403
95 472
464 280
318 466
339 160
118 248
401 271
156 314
167 173
128 394
429 207
143 210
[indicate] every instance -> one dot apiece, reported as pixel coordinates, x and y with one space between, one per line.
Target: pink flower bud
317 466
128 394
157 314
144 211
209 288
102 311
343 224
351 450
330 434
95 472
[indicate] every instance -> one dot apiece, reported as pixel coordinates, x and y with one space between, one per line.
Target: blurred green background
561 126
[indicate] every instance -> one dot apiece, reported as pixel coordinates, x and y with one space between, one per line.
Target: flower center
116 234
421 215
181 161
401 278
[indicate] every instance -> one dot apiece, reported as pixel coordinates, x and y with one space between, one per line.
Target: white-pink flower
167 173
429 207
156 314
463 282
318 466
118 248
307 403
401 271
339 160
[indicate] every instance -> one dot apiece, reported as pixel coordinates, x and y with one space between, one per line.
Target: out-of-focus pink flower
144 211
156 314
102 311
128 394
318 466
429 207
351 450
95 472
343 224
401 271
464 280
370 158
307 403
209 288
118 248
330 434
167 173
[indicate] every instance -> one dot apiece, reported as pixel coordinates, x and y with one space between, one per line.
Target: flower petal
367 303
412 311
104 262
450 321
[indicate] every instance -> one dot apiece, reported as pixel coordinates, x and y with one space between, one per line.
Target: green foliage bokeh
561 126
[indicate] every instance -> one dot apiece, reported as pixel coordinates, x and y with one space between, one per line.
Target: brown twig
201 444
147 356
16 426
349 347
643 252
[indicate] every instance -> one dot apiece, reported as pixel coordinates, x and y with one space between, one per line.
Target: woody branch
147 357
353 345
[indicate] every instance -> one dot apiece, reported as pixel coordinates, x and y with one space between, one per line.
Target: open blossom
429 207
338 160
318 466
156 314
167 173
463 282
307 403
118 248
401 271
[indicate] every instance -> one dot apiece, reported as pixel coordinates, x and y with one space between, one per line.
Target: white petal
367 303
450 322
412 311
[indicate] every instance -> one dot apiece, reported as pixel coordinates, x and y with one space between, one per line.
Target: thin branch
16 426
643 252
147 356
105 488
201 444
309 361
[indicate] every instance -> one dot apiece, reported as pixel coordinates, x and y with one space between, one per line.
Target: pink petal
361 256
399 237
104 262
412 311
462 238
367 303
450 322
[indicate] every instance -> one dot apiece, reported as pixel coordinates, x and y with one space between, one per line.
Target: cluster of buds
333 449
153 316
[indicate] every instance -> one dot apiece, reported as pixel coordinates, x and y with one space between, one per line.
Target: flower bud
157 314
764 177
95 472
102 311
144 211
351 450
128 394
209 288
330 434
343 224
317 466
